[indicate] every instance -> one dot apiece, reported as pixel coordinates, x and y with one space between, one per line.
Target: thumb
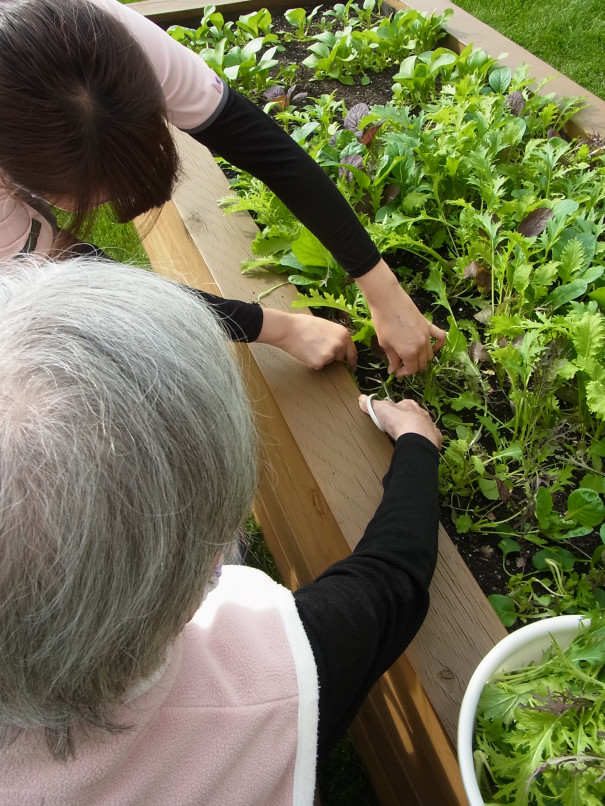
363 405
351 354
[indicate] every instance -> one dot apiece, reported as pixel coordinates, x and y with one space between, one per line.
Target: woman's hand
403 332
313 340
405 417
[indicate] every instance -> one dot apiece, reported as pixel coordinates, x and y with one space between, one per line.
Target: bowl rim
539 633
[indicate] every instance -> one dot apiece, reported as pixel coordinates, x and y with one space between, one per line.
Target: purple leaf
477 352
515 102
483 278
480 274
273 93
483 316
390 193
471 269
535 222
354 115
503 491
351 159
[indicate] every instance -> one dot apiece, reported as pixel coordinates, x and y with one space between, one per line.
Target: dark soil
378 91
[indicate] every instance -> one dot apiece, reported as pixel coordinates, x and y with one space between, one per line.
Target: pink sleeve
192 90
193 94
16 220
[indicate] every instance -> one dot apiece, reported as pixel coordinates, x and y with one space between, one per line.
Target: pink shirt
230 719
193 93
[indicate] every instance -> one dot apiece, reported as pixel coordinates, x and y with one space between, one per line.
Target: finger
394 360
322 360
351 354
429 352
377 404
440 337
424 355
408 367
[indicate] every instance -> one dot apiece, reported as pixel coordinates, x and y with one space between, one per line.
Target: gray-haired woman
127 465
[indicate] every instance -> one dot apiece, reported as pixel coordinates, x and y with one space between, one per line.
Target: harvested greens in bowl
540 729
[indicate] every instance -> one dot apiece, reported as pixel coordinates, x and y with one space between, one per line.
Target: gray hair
127 461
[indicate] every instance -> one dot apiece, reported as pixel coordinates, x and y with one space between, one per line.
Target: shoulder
248 629
192 90
16 220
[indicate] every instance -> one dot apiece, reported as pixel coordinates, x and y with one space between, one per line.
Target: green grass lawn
119 241
568 35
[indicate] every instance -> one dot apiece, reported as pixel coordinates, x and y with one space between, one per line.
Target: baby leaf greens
540 732
494 221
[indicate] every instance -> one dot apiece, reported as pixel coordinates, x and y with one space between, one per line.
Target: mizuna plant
540 728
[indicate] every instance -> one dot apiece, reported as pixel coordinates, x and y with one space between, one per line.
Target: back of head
127 461
83 113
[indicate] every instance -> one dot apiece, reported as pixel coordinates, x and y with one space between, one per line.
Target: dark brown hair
82 110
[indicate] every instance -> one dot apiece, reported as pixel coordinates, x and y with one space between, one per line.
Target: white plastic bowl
518 649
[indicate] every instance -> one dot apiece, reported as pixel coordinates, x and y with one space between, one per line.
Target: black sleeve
247 137
243 321
363 611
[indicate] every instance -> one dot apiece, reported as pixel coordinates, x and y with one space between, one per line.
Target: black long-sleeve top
247 137
363 611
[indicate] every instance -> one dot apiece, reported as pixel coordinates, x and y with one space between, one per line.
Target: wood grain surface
171 12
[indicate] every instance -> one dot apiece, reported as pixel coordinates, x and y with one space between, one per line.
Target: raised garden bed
312 511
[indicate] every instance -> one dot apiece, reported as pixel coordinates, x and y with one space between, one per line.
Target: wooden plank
171 12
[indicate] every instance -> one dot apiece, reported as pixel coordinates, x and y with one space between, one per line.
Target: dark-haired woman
86 90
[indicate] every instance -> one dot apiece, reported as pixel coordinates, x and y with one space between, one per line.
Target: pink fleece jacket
192 90
230 719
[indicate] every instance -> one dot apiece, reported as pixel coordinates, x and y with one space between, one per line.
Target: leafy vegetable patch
494 221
